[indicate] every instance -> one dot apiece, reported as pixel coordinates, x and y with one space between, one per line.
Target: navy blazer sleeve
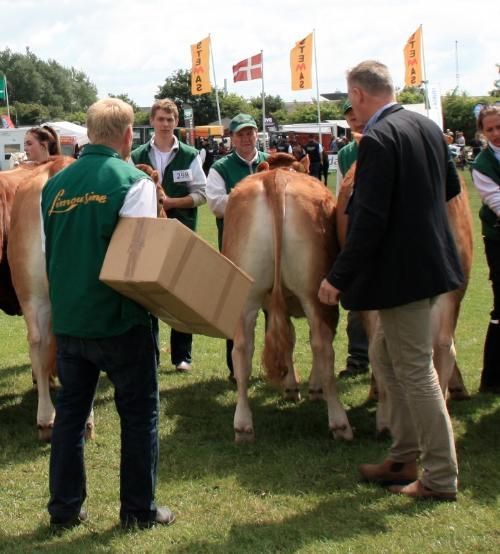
369 209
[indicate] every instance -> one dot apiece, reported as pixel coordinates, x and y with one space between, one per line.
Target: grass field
293 490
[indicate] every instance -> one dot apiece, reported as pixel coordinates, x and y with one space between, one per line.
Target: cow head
285 161
160 193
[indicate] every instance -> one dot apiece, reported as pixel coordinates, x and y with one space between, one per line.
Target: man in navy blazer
399 256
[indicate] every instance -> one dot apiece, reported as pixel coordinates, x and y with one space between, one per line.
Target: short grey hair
373 77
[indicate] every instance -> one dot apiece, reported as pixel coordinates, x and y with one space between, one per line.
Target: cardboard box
176 275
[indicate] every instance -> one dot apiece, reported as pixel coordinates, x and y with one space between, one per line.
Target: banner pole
215 80
426 92
263 104
317 86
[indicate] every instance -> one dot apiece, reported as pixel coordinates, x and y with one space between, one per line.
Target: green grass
293 490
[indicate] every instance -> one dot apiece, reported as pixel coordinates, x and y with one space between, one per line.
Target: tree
32 81
308 113
126 98
232 104
410 95
177 87
458 114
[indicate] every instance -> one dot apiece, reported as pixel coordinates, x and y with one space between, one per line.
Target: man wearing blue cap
227 172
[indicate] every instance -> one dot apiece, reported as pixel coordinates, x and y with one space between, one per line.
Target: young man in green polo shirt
227 172
96 328
184 182
357 342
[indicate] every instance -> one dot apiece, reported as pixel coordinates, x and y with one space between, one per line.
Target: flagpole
317 85
6 93
426 92
215 80
263 103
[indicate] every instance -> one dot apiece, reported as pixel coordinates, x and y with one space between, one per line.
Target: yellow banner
200 71
413 60
301 64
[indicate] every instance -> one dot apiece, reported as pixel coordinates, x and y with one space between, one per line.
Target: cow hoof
458 394
316 394
383 433
292 395
242 436
89 432
45 432
342 432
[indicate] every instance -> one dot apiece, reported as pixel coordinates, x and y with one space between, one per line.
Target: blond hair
165 104
373 77
108 119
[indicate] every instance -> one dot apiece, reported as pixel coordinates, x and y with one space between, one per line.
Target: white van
11 142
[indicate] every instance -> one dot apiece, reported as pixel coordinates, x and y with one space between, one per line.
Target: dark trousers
181 344
490 376
129 361
229 355
315 170
357 341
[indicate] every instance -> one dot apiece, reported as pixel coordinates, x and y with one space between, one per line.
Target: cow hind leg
456 386
291 391
242 354
42 355
323 363
315 389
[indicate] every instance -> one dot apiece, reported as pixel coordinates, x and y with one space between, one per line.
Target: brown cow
444 312
279 226
160 193
27 264
9 182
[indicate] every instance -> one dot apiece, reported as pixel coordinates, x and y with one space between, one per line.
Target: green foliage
126 98
231 104
308 113
410 95
41 90
458 114
177 87
31 113
141 118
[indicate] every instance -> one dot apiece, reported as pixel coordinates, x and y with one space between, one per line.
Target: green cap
241 121
346 106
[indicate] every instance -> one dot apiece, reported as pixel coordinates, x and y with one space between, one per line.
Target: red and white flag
248 69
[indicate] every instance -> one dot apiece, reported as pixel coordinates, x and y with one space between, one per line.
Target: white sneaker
183 367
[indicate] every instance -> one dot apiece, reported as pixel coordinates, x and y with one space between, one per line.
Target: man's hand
328 294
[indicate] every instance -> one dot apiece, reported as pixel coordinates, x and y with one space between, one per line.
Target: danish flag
248 69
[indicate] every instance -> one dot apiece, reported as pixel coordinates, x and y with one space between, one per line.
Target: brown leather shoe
164 516
419 491
389 472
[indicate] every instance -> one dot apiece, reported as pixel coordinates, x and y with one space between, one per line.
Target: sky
132 46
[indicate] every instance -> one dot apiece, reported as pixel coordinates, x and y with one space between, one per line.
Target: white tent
68 129
327 127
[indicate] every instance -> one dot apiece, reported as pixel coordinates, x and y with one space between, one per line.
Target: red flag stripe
248 69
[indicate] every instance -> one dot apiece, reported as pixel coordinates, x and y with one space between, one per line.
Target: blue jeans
129 361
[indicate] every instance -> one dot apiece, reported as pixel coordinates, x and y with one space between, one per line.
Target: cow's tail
279 339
